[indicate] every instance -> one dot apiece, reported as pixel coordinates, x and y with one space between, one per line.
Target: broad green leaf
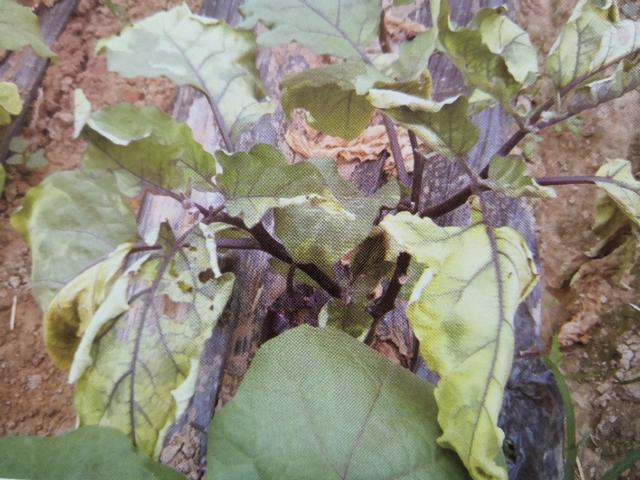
137 372
445 126
334 97
144 146
462 311
318 404
414 55
89 452
315 234
508 175
262 179
351 318
71 310
616 178
505 38
202 52
594 36
19 27
342 28
70 221
3 178
486 60
10 102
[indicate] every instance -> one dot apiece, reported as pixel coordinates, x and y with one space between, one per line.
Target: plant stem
418 169
387 301
403 176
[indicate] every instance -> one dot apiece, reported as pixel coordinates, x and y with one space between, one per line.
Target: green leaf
445 126
137 372
3 178
342 28
36 160
630 459
594 36
10 101
19 27
300 227
89 452
319 404
334 96
414 55
18 144
508 175
262 179
202 52
81 111
491 60
462 311
143 145
616 178
70 221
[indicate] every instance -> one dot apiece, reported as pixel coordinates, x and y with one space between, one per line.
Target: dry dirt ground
604 345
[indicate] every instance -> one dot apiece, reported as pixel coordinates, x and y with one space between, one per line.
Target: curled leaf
616 179
508 175
318 404
208 54
462 311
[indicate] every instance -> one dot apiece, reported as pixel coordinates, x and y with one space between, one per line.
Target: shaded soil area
602 344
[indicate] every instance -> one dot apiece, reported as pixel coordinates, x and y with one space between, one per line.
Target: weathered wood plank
26 69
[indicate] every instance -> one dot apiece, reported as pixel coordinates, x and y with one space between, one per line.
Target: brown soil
34 396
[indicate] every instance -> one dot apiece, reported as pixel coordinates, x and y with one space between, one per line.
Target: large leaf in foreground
445 125
137 362
205 53
144 146
70 221
342 28
594 36
10 102
19 27
89 452
318 404
314 234
616 178
462 311
261 179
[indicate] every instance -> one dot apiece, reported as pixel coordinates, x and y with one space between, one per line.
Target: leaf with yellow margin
462 311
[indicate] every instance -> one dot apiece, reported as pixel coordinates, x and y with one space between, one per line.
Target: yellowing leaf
593 36
330 94
202 52
508 175
142 146
616 179
342 28
70 221
318 404
486 61
136 372
261 179
19 27
71 310
445 126
462 311
10 102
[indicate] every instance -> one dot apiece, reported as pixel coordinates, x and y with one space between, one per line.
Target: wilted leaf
486 60
445 126
616 179
137 371
143 145
594 36
192 50
315 234
70 221
319 404
342 28
10 101
74 306
508 175
334 96
262 179
19 27
462 311
90 452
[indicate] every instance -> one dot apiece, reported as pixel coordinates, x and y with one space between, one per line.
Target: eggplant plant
127 314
